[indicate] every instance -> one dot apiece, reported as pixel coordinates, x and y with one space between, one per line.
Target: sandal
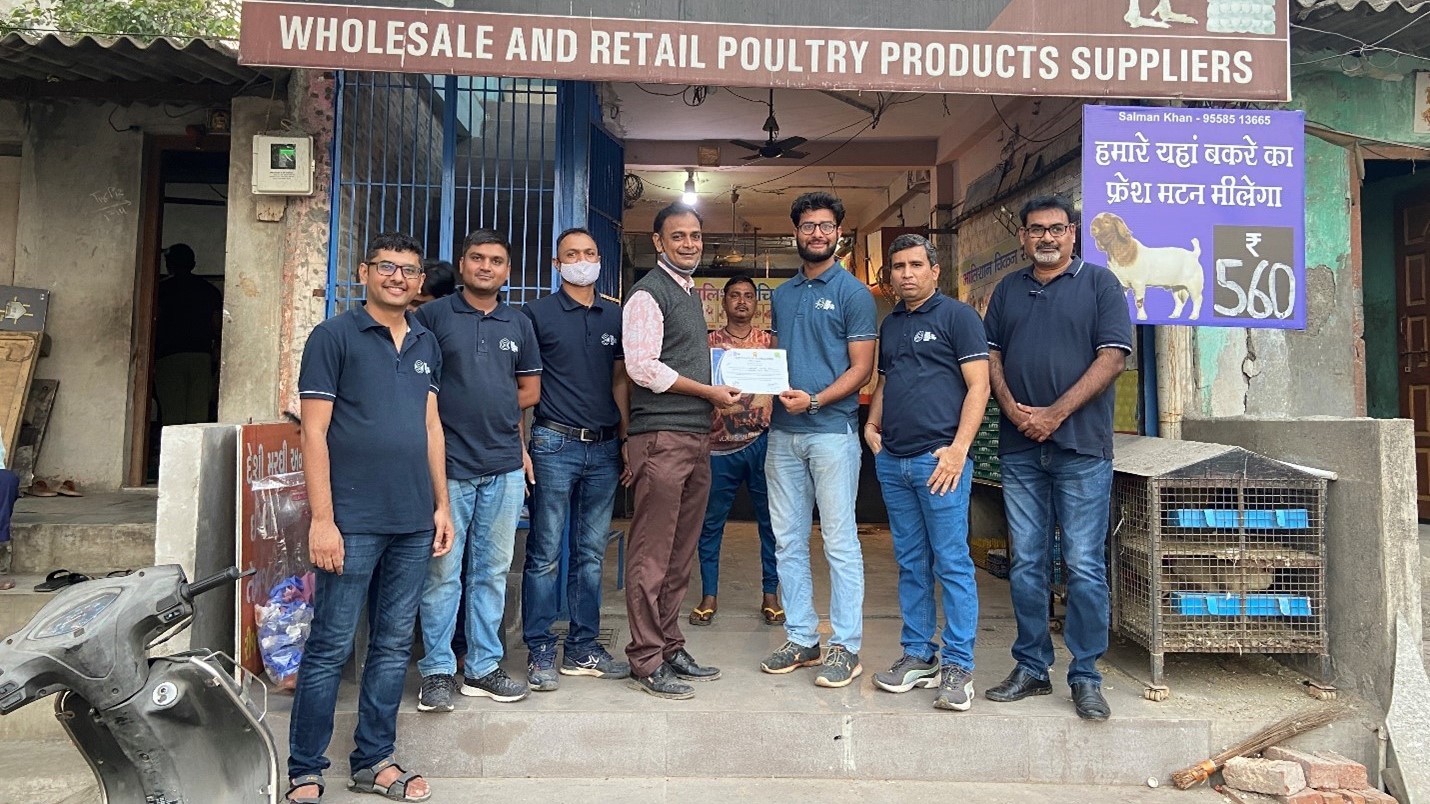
773 616
702 616
40 488
68 489
365 781
6 582
304 781
59 579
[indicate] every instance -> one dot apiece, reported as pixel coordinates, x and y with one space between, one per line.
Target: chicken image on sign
1200 213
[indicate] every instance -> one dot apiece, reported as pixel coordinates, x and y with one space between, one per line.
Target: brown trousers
672 485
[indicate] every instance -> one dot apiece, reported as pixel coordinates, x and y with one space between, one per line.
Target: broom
1278 732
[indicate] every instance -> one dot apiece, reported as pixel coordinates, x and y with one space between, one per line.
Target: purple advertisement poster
1199 212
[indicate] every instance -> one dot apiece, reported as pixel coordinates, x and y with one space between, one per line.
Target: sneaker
908 672
541 671
840 667
436 693
496 685
662 683
955 689
791 656
597 663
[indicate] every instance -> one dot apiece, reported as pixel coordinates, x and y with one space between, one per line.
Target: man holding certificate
932 347
738 435
668 452
824 317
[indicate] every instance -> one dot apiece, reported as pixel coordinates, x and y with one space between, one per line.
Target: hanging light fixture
689 198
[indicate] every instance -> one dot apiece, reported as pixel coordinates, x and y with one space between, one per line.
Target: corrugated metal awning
55 58
1361 27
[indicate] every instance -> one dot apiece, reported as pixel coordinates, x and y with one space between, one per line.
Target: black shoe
663 684
686 667
1018 685
1088 701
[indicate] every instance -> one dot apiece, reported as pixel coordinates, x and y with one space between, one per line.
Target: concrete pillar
197 524
253 282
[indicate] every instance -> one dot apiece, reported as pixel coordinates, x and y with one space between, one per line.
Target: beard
1047 257
810 255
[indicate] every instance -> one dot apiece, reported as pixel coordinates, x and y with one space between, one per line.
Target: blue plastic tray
1200 604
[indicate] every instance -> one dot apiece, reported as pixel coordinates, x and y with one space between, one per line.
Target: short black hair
738 279
482 237
816 200
574 230
392 241
179 258
1043 202
439 278
909 240
671 211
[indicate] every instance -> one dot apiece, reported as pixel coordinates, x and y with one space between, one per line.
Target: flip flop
40 488
68 489
702 616
59 579
773 616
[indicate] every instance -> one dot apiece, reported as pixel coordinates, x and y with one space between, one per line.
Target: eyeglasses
386 268
1056 230
824 227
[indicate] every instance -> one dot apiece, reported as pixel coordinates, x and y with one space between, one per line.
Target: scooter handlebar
193 590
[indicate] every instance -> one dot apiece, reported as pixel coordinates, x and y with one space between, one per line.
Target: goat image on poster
1138 267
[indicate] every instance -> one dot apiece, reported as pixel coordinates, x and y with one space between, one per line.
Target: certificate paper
753 371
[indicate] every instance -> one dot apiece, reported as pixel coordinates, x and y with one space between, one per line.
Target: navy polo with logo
921 355
815 321
482 355
1048 337
579 349
377 438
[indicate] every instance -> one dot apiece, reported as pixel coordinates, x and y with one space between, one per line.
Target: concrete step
786 791
40 547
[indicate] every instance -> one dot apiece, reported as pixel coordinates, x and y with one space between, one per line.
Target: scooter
180 729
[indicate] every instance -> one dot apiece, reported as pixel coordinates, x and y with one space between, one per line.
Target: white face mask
581 273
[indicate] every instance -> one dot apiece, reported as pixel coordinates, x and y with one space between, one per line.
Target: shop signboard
1199 212
980 273
1210 49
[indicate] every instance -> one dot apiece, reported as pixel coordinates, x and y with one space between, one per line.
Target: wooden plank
36 421
19 352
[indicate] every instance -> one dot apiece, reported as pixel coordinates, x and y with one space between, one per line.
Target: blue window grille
436 156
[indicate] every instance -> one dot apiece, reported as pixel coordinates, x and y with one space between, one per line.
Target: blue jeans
1050 486
394 566
485 511
930 536
802 469
575 481
727 472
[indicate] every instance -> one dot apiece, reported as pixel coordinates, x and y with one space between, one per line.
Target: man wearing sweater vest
667 452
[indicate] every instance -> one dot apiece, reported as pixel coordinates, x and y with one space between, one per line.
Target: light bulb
689 197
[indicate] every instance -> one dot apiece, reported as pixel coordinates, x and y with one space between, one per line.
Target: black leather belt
580 433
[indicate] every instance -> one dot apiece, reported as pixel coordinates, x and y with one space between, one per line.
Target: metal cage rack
1216 550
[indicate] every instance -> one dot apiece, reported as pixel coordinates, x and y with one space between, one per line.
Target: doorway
1412 272
178 306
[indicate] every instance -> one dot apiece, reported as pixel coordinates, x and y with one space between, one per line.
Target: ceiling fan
773 147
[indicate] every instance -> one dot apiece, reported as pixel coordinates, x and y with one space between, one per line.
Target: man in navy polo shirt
932 392
373 460
824 319
1058 335
493 372
576 455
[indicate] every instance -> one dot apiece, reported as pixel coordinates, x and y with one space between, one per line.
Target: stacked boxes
985 447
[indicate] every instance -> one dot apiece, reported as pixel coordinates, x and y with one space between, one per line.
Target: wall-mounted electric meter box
282 165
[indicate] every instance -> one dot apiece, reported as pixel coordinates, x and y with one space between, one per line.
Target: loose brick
1350 774
1351 797
1248 797
1271 776
1306 796
1321 773
1373 796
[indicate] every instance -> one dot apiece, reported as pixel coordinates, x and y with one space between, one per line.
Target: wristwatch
813 404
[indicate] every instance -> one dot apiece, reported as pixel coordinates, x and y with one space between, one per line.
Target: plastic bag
281 589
